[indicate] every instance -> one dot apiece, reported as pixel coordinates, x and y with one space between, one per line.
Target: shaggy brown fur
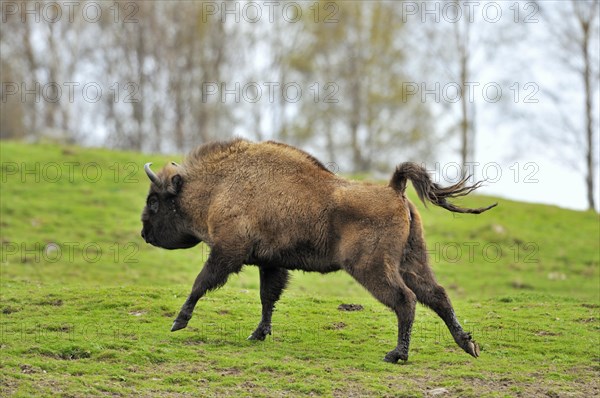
277 207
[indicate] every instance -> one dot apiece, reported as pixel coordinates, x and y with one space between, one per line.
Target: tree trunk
358 161
465 124
589 159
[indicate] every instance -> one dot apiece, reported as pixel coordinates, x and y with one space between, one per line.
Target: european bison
277 207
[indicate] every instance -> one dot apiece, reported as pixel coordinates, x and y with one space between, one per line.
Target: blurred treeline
327 75
175 74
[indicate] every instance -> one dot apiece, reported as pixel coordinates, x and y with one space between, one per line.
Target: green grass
86 306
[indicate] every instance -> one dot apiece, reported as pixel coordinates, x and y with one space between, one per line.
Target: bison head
165 224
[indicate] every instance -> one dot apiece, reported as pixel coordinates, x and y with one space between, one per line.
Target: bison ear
176 184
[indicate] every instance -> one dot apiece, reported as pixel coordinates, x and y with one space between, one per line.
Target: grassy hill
86 306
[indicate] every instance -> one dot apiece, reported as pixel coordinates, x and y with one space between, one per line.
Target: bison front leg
272 283
216 270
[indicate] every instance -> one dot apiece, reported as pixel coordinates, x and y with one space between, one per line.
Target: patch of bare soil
546 333
336 326
350 307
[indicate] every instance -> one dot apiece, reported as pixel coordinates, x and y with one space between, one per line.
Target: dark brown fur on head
165 224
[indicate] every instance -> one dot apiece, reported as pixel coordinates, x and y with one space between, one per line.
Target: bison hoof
260 333
472 348
395 355
178 324
466 342
259 337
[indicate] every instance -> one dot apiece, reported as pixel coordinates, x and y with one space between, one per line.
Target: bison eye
153 204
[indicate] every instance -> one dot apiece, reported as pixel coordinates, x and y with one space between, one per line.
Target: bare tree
587 17
574 29
460 49
362 110
462 36
166 58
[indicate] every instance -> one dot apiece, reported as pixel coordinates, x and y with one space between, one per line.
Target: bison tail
427 190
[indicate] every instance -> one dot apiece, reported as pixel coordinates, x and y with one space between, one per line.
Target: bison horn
153 177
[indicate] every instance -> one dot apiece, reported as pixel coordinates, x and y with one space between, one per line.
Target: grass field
86 306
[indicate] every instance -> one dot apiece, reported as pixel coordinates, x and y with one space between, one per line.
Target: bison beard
277 207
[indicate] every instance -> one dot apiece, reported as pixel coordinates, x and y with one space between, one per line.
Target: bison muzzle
274 206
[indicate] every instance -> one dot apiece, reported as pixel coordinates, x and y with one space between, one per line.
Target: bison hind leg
383 281
420 279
